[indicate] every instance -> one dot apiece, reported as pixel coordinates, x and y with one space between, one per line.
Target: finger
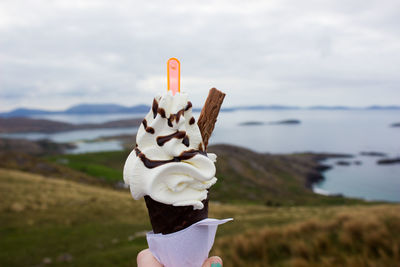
213 261
146 259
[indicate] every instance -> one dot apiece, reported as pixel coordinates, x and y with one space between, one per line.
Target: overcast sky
54 54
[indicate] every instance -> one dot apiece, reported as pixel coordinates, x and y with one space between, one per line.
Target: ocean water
369 180
330 131
74 136
341 131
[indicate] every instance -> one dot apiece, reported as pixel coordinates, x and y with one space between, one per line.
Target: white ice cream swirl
169 164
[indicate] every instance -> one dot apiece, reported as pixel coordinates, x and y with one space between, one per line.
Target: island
389 161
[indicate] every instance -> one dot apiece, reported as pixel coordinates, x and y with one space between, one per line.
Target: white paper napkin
188 247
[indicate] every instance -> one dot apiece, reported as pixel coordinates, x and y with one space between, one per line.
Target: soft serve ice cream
169 163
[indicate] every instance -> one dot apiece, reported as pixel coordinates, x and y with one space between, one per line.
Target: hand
146 259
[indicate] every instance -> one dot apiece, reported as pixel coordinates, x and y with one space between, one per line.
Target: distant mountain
22 112
384 107
79 109
95 108
138 109
330 107
263 107
114 108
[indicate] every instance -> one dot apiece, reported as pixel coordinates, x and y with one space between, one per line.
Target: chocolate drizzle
148 129
169 122
161 140
185 141
161 111
177 116
155 108
189 105
185 155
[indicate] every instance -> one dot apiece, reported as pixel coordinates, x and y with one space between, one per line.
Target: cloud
58 53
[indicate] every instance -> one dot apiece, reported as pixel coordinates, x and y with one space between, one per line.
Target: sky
58 53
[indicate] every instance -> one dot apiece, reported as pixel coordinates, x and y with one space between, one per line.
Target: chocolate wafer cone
168 219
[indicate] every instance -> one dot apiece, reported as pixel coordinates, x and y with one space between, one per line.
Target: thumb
146 259
214 261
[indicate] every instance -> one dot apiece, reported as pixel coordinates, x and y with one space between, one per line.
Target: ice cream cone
168 219
170 162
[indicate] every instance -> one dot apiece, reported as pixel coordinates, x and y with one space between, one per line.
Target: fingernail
216 264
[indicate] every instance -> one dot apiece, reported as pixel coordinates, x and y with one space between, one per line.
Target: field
344 237
54 220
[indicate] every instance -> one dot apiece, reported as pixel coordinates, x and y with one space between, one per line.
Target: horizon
199 107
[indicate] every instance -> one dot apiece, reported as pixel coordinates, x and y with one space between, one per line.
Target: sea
321 131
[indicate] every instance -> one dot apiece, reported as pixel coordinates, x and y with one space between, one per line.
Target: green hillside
46 220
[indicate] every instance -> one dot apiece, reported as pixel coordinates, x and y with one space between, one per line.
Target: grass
360 237
104 165
45 218
67 222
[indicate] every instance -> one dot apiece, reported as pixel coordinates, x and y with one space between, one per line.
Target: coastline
272 179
